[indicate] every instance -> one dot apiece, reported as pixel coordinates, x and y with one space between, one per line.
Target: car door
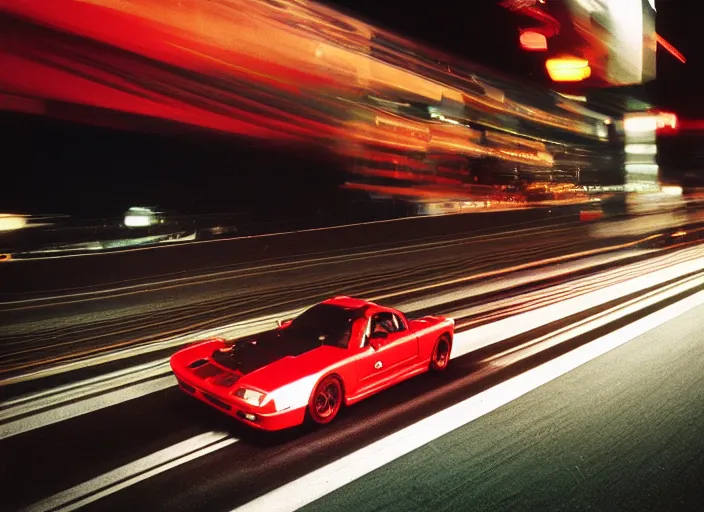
386 357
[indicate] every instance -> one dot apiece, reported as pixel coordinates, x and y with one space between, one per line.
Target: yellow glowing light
568 69
672 190
10 222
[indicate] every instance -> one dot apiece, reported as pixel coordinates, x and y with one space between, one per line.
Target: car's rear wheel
440 356
326 400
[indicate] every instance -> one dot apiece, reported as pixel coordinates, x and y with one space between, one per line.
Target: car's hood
307 368
255 352
273 359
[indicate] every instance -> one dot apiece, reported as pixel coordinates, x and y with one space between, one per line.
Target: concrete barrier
98 269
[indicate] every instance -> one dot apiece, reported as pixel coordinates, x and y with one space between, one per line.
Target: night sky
679 85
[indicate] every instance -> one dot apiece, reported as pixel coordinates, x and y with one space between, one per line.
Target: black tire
440 356
326 400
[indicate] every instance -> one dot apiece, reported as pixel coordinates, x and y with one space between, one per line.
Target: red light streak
671 49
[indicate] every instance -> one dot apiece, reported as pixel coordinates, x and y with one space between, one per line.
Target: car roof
348 302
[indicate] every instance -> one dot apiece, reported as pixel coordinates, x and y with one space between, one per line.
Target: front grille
217 401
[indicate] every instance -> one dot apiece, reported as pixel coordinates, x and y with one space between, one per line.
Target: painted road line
236 329
101 382
254 326
83 390
142 372
319 483
524 266
514 355
488 334
79 408
481 336
134 472
525 277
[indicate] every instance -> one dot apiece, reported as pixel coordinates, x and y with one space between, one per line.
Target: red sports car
339 351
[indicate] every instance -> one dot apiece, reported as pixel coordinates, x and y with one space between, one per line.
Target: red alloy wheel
441 354
326 400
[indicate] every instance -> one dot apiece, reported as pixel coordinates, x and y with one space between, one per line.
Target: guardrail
46 273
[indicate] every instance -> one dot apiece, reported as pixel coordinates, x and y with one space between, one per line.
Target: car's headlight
250 396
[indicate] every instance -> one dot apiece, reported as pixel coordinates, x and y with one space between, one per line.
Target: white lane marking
481 336
66 392
327 479
134 472
525 277
68 411
242 328
488 334
248 327
543 343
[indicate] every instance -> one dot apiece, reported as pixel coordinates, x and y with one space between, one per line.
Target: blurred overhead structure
604 53
299 73
616 37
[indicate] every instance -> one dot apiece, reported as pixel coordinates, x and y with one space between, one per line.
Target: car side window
387 322
383 322
399 323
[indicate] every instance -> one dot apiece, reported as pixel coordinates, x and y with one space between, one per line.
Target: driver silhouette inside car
384 323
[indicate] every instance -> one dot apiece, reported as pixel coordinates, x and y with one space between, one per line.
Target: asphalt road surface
621 432
39 331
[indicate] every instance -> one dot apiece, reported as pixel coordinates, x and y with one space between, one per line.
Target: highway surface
111 307
64 324
621 430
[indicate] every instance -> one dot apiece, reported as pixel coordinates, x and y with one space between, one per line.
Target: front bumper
244 413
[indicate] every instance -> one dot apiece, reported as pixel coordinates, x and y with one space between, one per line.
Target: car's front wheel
440 356
326 400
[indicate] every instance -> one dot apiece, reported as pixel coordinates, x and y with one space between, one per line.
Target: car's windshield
327 323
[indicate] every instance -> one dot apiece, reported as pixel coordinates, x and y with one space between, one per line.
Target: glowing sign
568 69
649 122
666 120
533 41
